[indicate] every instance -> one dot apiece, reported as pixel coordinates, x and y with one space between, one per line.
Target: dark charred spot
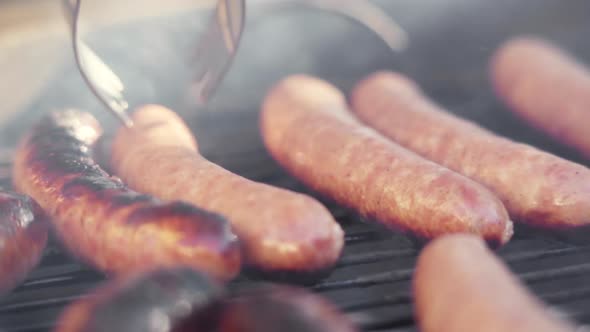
19 212
170 297
282 308
65 165
59 141
176 210
83 185
123 198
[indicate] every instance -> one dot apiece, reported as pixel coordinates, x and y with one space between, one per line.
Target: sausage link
282 308
547 87
459 285
280 231
308 128
159 301
23 237
109 226
536 187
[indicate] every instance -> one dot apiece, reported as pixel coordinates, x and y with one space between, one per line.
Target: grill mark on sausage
92 211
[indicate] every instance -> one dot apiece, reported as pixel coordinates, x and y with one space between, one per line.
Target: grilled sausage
474 292
537 188
282 308
308 128
159 301
109 226
23 236
547 87
280 231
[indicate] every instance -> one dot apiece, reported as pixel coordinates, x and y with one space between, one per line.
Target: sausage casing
282 308
459 285
159 301
308 128
23 236
100 220
547 87
536 187
279 230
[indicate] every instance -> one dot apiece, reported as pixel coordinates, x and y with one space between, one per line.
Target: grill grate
371 282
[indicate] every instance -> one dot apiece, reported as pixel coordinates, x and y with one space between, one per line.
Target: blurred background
450 42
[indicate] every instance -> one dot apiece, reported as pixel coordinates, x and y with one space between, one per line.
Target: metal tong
216 49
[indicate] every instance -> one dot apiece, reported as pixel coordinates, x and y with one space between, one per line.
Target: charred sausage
476 292
537 187
282 308
308 128
280 231
103 222
23 236
159 301
547 87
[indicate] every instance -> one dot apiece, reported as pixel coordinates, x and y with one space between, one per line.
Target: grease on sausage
546 86
109 226
536 187
308 128
476 292
23 237
279 230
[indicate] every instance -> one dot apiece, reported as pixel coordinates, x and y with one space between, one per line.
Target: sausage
545 86
282 308
308 128
159 301
183 300
536 187
280 231
23 237
476 292
104 223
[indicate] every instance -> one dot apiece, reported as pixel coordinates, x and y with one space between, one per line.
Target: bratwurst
280 230
307 127
546 86
158 301
23 236
282 308
537 187
459 285
100 220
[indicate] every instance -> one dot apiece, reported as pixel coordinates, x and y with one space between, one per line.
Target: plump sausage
23 236
280 231
282 308
537 188
159 301
546 86
182 300
100 220
474 292
308 128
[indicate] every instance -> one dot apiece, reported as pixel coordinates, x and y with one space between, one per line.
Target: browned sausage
536 187
282 308
160 301
103 222
474 292
308 128
547 87
279 230
23 236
